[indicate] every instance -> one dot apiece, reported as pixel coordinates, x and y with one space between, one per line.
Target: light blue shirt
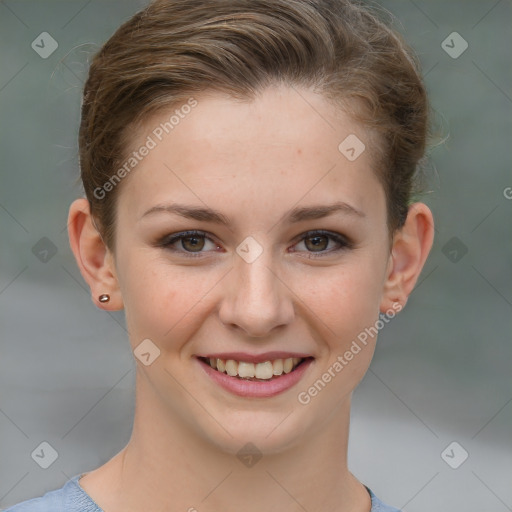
72 498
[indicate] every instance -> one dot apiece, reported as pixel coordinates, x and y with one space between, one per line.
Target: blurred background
431 424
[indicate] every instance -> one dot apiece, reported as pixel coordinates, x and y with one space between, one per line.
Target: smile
254 371
255 379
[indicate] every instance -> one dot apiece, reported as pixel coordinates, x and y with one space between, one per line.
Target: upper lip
255 358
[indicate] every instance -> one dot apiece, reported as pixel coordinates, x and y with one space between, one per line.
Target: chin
262 431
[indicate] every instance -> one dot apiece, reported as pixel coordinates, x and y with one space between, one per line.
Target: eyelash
343 242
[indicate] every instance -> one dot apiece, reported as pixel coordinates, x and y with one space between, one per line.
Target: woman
248 169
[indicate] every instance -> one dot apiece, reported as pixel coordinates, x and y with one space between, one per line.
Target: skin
253 161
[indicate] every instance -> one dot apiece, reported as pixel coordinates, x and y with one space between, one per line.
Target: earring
104 297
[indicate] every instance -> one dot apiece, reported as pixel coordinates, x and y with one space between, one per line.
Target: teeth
278 367
264 371
245 369
231 367
288 365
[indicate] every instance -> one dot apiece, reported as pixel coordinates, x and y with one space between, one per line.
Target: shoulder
69 498
378 506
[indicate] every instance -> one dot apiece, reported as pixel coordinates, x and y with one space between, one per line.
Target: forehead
283 145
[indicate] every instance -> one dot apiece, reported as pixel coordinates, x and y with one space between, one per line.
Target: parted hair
172 49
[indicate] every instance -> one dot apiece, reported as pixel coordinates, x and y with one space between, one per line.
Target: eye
317 242
190 243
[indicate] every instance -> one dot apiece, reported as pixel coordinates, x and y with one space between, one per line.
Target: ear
410 248
94 259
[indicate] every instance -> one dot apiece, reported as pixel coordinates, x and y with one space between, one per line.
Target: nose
256 298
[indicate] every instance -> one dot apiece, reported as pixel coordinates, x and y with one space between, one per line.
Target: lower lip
256 388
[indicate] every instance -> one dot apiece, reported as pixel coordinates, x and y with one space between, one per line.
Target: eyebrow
299 214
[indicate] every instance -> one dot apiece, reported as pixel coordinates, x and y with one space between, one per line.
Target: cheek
346 298
162 302
346 304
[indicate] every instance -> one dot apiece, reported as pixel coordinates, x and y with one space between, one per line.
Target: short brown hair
175 48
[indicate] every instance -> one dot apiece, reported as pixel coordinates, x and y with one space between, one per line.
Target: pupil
195 243
316 241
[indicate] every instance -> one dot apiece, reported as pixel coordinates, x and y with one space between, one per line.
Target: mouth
263 378
264 371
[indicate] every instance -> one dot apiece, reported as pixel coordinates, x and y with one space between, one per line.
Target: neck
168 466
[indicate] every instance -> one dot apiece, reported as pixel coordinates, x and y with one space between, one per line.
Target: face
287 260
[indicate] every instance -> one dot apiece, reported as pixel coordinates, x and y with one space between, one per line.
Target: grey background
441 372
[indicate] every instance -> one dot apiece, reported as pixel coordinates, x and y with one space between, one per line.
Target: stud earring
104 297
